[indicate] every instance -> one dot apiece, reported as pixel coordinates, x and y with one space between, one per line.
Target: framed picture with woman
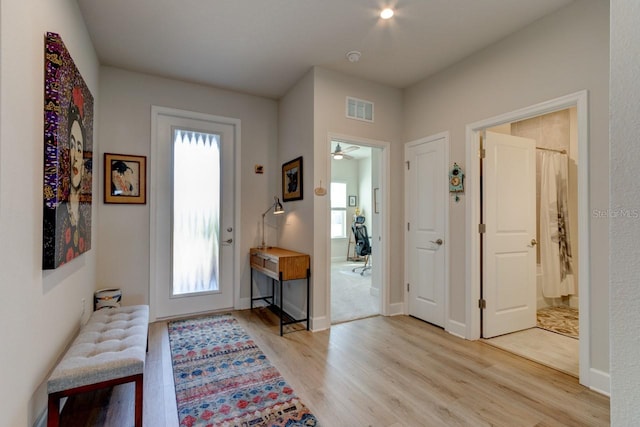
125 178
68 158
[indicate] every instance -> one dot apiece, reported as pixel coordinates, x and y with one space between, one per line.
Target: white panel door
170 301
509 254
426 201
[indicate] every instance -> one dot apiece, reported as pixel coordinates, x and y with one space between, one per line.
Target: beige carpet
561 320
351 293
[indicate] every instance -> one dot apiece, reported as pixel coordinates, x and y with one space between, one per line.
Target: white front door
192 214
426 209
508 246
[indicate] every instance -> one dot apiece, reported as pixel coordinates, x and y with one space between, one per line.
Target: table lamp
277 209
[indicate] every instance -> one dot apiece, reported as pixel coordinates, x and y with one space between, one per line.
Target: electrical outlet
82 307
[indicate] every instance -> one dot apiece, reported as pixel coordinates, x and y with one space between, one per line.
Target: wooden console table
280 265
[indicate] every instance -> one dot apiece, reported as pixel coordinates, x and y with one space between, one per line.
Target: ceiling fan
339 153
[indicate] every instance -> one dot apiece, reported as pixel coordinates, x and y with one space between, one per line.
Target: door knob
437 242
533 242
227 242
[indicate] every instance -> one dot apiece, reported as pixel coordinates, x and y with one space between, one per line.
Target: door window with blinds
195 212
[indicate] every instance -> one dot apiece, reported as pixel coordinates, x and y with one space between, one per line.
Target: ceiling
264 47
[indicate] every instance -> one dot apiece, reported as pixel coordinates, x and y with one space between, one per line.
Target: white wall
563 53
331 89
295 126
41 310
625 198
125 116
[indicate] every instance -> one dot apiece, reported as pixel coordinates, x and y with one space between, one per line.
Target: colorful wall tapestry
68 157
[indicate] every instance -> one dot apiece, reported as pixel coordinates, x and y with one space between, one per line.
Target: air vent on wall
359 109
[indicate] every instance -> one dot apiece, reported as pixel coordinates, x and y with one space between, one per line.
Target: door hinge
482 228
408 287
482 304
408 164
408 226
482 153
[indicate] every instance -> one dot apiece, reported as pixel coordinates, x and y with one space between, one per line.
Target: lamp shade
277 207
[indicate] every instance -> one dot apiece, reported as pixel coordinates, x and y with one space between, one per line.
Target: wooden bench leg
53 415
139 394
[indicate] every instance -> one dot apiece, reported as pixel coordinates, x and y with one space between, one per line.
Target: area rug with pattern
222 378
561 320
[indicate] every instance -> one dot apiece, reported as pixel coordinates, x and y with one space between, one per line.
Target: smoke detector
353 56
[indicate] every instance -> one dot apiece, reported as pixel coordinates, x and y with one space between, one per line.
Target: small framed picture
353 200
125 179
292 180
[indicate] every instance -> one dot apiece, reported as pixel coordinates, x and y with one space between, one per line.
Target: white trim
157 111
472 215
600 382
442 135
384 196
320 323
244 303
456 328
396 309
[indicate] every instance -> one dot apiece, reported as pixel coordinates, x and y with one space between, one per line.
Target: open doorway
551 334
355 220
477 225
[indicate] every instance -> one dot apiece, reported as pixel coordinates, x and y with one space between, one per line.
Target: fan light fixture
386 13
338 154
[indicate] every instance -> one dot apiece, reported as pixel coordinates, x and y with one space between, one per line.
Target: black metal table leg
281 310
308 298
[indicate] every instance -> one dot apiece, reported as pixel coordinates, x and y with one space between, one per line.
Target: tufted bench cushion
110 349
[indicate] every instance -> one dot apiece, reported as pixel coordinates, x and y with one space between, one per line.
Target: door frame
473 250
383 259
157 111
448 326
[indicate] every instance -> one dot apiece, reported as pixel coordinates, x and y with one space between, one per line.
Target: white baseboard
320 323
600 382
396 309
456 328
243 304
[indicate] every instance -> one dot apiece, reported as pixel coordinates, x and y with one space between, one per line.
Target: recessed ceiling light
386 13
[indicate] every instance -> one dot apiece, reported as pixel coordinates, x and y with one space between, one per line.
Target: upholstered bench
109 350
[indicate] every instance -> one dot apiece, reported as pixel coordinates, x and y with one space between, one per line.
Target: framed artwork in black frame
353 201
292 180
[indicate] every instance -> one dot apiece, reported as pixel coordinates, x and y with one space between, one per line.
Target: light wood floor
380 371
548 348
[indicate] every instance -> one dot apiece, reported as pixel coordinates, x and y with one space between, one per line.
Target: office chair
363 247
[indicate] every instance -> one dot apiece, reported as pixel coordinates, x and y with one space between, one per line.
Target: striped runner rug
222 378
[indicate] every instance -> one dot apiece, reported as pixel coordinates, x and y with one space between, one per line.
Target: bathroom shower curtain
555 248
